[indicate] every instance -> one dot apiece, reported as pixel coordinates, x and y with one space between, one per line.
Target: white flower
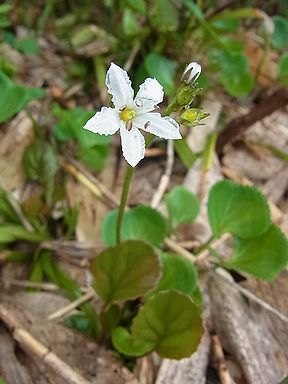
191 73
131 114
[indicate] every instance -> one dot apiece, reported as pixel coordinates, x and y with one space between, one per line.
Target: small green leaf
231 45
7 212
231 64
225 24
19 257
240 85
263 257
162 69
4 8
126 271
36 272
80 322
94 157
4 22
235 75
28 45
177 273
163 15
11 233
14 97
130 24
40 163
183 206
168 323
280 33
283 66
70 126
137 5
240 210
142 222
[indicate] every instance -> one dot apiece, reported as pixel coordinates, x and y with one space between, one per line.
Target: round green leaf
168 323
280 33
240 210
283 66
231 64
239 85
183 206
94 157
14 97
126 271
177 273
162 69
264 256
235 75
142 222
163 15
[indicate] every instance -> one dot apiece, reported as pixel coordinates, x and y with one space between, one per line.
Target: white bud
191 73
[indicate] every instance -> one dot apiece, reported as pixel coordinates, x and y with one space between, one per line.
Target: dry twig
71 306
18 210
32 346
223 373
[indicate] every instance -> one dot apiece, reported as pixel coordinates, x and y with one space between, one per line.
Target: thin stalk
124 195
205 246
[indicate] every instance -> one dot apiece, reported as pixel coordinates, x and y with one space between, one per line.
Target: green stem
125 191
205 245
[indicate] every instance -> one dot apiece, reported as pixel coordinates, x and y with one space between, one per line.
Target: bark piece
186 371
256 338
11 370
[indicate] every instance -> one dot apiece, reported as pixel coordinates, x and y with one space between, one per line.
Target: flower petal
191 73
119 86
106 122
133 145
149 95
165 127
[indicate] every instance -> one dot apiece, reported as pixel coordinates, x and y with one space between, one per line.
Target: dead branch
269 104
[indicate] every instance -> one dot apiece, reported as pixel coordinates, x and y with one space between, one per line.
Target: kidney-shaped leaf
177 273
126 271
183 206
264 256
142 222
168 323
240 210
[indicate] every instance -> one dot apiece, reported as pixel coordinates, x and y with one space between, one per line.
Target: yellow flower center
127 114
190 115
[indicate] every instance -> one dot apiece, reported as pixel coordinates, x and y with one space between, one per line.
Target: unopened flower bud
186 94
192 116
191 73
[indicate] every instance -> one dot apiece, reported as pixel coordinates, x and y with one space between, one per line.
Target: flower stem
124 195
205 246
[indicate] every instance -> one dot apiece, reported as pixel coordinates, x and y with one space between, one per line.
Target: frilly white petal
133 145
164 127
149 95
119 86
106 122
191 72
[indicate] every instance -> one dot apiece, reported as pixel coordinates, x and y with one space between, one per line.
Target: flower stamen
128 125
127 114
